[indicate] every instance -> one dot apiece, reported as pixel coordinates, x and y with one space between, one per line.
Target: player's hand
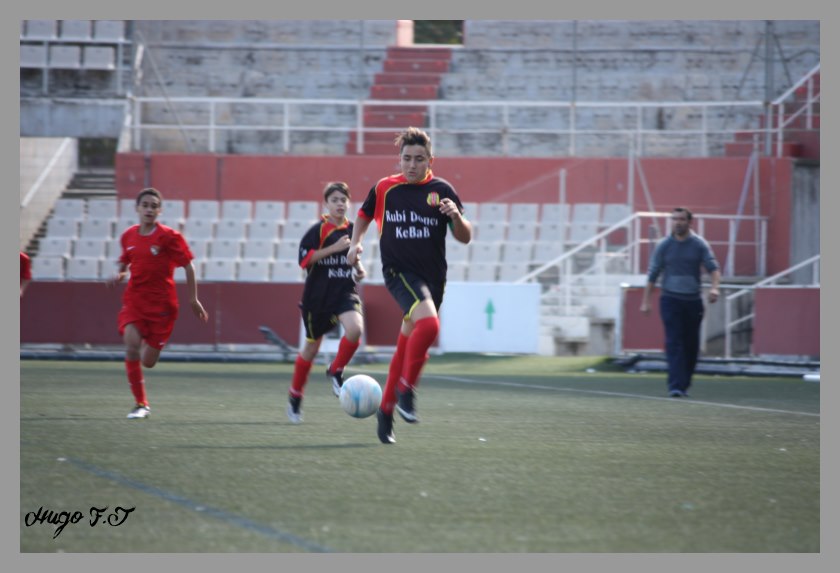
359 272
198 310
342 244
354 254
116 279
645 308
713 295
449 208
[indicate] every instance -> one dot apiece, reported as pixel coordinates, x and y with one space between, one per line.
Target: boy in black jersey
329 295
413 210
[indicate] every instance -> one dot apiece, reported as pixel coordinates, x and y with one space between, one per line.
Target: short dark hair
414 136
339 186
688 214
149 191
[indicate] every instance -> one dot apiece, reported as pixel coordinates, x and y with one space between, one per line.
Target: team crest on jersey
155 250
433 199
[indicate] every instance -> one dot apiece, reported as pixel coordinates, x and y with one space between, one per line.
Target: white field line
691 401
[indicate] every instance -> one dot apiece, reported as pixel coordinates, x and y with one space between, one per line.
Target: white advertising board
490 317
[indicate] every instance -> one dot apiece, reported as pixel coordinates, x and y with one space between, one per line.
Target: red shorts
155 329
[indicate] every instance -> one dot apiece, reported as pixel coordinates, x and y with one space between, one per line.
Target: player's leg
424 331
672 319
694 318
351 321
303 364
133 341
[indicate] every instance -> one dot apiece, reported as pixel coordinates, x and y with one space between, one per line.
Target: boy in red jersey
25 272
329 296
151 252
413 210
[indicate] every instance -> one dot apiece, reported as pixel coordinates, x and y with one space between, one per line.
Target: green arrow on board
489 309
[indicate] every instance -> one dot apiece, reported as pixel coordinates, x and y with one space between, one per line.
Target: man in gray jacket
678 258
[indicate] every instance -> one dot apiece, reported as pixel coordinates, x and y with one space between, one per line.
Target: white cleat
139 413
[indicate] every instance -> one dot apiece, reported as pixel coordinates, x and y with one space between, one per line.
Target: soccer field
513 454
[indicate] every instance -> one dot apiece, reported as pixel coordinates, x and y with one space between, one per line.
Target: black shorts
408 289
317 323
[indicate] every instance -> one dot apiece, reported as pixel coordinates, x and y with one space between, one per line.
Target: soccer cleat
139 412
337 380
385 427
293 410
675 394
405 406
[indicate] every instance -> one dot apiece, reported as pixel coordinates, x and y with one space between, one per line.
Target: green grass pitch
512 455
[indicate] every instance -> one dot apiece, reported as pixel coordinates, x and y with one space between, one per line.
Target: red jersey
152 260
25 267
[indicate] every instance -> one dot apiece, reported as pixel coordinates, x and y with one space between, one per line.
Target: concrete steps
408 74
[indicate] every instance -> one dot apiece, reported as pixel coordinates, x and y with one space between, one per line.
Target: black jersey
329 280
412 230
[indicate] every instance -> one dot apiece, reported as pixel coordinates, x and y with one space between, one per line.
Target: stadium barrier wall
787 321
79 313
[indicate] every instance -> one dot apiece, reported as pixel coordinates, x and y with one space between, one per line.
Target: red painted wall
787 321
86 312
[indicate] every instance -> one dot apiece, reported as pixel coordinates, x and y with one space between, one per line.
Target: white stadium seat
231 229
103 208
69 209
485 252
492 212
302 211
55 247
236 209
482 272
255 270
522 231
263 229
259 249
90 248
83 268
199 228
220 270
96 229
286 271
524 212
517 253
205 209
270 211
225 249
47 268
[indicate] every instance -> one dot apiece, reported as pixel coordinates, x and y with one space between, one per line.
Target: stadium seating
482 272
523 241
90 248
274 211
204 209
83 268
254 270
264 229
286 271
512 271
259 249
48 268
55 247
70 209
219 270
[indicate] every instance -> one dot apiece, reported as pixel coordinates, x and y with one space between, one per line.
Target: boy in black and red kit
330 295
413 210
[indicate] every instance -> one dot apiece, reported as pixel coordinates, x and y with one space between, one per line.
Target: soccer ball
360 396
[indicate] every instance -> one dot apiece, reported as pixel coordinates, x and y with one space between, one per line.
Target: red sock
421 339
300 376
346 350
136 382
389 393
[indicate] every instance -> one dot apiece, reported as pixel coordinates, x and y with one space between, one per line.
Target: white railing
629 255
729 301
811 98
704 126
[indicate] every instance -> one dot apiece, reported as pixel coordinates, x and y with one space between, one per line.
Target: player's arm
192 288
360 227
119 276
23 284
338 247
461 228
714 291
